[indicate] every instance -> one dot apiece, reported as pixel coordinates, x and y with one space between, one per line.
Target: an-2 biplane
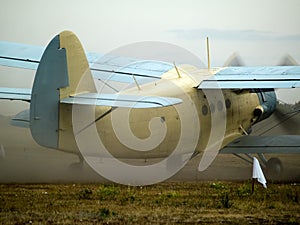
195 110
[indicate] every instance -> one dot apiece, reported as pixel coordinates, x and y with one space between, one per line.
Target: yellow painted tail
62 67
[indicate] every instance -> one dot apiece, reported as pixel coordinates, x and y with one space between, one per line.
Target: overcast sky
261 31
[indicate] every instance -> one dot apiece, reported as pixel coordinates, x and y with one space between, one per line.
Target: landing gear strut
273 166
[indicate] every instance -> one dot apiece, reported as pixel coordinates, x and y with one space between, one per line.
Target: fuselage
210 116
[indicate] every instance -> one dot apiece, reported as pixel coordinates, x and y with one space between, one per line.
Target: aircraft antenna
208 55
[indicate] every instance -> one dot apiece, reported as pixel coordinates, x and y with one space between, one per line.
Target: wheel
274 167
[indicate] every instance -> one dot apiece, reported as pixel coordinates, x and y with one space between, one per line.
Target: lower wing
263 144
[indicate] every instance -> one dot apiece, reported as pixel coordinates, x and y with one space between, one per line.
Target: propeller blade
234 60
287 61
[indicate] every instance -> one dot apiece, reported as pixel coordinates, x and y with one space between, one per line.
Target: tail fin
61 68
78 66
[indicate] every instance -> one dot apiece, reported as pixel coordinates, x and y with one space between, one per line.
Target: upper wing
28 56
15 94
264 144
103 67
254 77
125 70
20 55
122 69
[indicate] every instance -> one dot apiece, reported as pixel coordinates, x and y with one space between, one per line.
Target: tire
274 167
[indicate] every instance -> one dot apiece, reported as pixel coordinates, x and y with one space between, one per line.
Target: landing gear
274 167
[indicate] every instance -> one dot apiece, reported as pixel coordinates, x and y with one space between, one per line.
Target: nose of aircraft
267 99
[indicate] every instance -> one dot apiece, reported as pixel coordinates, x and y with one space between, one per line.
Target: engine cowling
267 99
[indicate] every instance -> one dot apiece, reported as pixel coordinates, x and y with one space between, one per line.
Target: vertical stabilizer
78 67
60 70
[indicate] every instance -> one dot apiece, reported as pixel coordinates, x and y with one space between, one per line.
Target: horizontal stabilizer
254 77
264 144
115 100
21 119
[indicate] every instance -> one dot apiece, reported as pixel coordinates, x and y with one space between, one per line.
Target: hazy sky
261 31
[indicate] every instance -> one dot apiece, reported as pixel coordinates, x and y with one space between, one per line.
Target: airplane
154 110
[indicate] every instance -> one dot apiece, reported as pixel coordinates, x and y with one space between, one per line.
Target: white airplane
160 111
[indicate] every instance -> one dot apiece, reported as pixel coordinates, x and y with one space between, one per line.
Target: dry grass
167 203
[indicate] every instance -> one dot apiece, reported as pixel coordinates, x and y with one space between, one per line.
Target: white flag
258 173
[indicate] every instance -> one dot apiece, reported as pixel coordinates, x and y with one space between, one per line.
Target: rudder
60 70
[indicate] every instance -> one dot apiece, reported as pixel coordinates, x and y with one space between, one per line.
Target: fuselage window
204 110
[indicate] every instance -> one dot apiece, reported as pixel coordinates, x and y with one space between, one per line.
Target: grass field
166 203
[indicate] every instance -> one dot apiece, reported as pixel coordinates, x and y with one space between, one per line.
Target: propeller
285 114
287 60
234 60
